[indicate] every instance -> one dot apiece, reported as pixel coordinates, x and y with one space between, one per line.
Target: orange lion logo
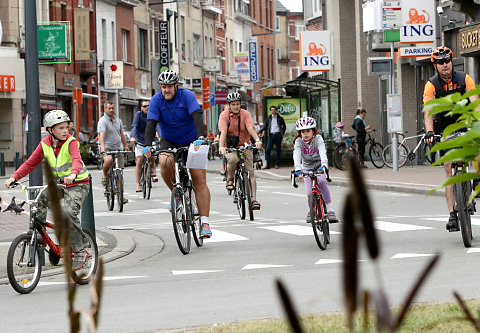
313 50
415 18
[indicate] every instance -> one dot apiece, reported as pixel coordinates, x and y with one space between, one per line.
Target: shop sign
54 42
113 71
196 83
7 82
206 93
469 39
164 52
418 21
81 19
67 81
253 58
416 51
315 51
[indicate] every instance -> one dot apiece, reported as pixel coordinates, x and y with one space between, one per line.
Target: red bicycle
24 265
318 208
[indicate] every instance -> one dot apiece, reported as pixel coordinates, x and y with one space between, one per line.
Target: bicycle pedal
453 230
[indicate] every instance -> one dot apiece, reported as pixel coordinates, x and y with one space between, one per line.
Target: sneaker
125 201
104 181
79 259
452 224
206 232
332 218
309 217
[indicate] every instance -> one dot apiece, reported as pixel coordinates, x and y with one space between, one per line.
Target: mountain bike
461 193
24 265
242 185
185 216
375 151
318 208
115 183
404 153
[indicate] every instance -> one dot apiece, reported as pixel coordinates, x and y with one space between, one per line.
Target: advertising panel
241 62
315 51
113 70
81 19
290 109
418 21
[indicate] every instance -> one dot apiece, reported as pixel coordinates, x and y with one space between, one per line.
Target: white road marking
260 266
185 272
291 194
474 250
272 174
394 227
135 212
328 261
5 244
106 278
223 236
410 255
294 229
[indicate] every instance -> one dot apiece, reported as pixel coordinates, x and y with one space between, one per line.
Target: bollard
2 164
88 214
17 160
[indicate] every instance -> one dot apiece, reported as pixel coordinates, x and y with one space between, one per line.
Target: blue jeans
274 139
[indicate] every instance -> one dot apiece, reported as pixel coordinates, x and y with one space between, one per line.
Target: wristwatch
258 140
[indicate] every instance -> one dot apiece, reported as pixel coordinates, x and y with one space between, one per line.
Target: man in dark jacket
361 129
275 128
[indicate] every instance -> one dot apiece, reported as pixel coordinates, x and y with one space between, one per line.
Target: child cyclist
62 153
309 153
340 136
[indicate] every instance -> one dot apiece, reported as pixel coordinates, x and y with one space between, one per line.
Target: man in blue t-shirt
181 122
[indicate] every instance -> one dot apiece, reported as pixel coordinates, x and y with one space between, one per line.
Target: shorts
233 159
139 150
165 144
120 157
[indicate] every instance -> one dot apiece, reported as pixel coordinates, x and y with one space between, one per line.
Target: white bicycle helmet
233 97
55 117
305 123
168 77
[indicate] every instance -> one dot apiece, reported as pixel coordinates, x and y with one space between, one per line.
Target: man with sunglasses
445 82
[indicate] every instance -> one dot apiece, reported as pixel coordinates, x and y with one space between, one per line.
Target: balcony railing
212 6
89 66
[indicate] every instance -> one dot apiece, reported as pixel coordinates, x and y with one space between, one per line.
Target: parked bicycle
185 216
24 266
318 208
115 183
404 153
374 152
242 185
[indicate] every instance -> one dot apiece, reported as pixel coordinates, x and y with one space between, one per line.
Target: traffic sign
391 14
77 96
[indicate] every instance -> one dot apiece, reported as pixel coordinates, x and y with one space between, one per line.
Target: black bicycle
461 192
341 153
115 183
318 208
24 266
185 216
242 185
146 178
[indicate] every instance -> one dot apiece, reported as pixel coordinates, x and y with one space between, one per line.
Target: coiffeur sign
315 51
418 21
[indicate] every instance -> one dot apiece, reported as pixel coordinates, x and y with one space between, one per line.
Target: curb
126 245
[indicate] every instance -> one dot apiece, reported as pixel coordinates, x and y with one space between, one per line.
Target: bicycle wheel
22 275
402 155
84 265
148 177
316 221
461 198
119 180
110 194
340 157
375 153
143 183
248 194
326 222
180 220
239 195
195 218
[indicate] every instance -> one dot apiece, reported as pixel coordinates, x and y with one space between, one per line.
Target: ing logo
313 50
415 18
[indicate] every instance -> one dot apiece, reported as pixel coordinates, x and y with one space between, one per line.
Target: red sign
77 96
206 93
7 82
221 97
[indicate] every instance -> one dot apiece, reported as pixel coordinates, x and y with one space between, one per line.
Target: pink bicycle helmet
339 125
305 123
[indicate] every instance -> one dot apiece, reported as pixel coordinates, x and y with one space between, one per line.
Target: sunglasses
145 106
443 61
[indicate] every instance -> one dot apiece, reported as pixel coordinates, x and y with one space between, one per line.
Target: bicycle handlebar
113 152
28 189
311 174
242 148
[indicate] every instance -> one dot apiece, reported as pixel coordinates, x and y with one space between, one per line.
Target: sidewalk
418 179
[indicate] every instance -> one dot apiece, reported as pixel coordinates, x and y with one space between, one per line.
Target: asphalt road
232 277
